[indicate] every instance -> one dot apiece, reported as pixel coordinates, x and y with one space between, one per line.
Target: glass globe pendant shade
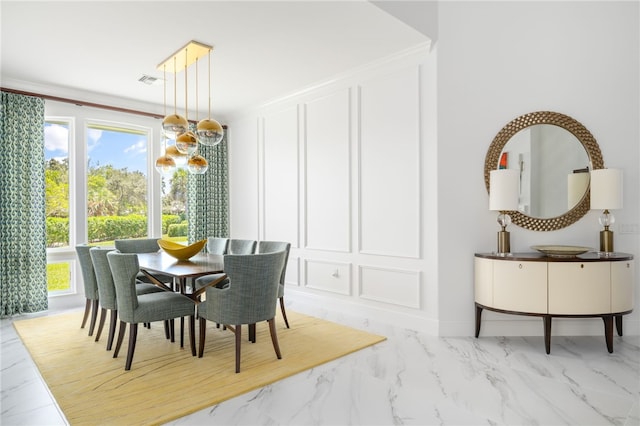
209 132
178 157
165 165
187 143
174 125
197 164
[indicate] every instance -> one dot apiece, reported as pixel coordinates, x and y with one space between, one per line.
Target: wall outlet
629 228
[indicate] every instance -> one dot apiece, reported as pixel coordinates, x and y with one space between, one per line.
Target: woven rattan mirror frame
545 117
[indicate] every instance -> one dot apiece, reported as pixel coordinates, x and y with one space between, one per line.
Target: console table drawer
520 286
622 286
577 288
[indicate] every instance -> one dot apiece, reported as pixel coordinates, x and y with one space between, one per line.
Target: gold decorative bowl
180 251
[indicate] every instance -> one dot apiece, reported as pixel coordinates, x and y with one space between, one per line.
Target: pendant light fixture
208 131
174 124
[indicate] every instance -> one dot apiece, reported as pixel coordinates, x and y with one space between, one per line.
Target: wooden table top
198 265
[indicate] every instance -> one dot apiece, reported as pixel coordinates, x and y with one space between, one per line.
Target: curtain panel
23 251
208 195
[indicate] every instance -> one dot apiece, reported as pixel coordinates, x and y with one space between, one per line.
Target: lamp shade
577 184
606 189
503 189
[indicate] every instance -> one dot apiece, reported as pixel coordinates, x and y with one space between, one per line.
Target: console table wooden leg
478 318
547 333
608 331
619 324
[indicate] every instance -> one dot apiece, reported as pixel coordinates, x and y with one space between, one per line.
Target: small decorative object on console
561 251
180 251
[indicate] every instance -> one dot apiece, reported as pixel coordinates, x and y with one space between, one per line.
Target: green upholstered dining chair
90 286
107 291
233 246
237 246
142 245
134 309
217 245
250 297
270 247
137 245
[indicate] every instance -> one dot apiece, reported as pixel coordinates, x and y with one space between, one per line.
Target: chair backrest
217 245
274 246
252 294
88 273
137 245
106 289
124 268
242 246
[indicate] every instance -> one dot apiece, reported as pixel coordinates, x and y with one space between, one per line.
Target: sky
119 149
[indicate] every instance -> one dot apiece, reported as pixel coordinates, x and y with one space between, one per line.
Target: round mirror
553 154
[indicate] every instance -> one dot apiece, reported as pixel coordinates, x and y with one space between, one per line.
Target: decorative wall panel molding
327 127
333 277
281 177
394 286
390 154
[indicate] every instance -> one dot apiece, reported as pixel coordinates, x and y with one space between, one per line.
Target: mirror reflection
553 166
553 154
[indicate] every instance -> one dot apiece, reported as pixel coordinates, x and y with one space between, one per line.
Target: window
57 137
117 201
100 185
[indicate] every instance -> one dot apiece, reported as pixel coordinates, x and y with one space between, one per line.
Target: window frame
80 118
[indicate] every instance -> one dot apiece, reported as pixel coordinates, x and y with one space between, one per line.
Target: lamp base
504 245
606 241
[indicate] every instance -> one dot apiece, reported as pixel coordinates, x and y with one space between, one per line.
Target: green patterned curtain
208 195
23 250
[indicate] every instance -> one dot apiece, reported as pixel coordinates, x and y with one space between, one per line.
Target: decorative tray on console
561 251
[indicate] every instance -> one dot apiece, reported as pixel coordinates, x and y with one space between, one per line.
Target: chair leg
203 334
192 333
252 332
166 329
172 330
121 331
87 309
103 316
182 332
284 314
238 332
94 316
133 333
274 337
112 328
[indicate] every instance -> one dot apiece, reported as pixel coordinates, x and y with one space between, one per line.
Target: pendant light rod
186 89
209 111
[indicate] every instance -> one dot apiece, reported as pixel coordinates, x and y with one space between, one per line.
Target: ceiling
262 49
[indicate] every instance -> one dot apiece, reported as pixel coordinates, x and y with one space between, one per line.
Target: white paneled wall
328 171
389 164
342 181
281 176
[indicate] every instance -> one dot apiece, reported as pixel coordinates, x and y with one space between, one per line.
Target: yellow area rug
165 382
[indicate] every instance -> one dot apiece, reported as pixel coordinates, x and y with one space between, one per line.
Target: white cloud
56 138
93 138
140 147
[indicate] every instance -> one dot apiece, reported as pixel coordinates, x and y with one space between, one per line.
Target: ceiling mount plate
185 56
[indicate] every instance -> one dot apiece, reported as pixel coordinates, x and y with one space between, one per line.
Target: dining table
161 263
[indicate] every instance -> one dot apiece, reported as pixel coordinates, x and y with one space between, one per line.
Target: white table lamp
606 194
503 197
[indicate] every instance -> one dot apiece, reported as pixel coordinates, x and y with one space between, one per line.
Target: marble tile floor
410 379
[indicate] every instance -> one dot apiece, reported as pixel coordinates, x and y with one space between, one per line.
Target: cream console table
585 286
